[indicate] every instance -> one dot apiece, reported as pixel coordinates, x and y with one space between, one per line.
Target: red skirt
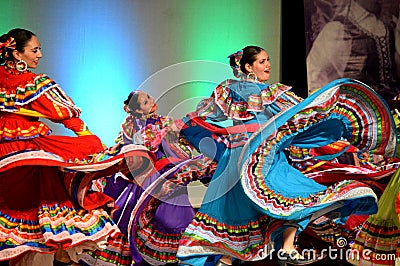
45 200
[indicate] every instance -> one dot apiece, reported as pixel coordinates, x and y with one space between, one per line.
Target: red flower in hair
7 47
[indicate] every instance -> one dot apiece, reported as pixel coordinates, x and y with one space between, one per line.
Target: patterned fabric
33 96
39 198
116 253
235 106
44 197
364 131
155 210
254 186
43 229
378 240
97 166
30 87
156 243
24 128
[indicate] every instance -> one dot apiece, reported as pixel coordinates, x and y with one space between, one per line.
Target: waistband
6 115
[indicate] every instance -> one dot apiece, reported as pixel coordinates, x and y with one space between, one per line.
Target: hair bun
235 62
7 45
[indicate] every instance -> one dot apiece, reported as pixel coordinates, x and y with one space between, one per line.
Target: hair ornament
7 47
126 108
236 67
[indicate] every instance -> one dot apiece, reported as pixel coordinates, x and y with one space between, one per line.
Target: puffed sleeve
53 103
152 134
149 135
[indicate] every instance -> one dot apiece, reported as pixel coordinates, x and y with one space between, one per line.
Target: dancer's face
31 54
261 66
146 104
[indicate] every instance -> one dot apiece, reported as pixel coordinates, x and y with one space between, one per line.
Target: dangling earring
252 76
21 65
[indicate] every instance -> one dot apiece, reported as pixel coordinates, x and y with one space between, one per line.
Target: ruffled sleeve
37 95
240 100
40 94
127 131
149 135
52 101
152 134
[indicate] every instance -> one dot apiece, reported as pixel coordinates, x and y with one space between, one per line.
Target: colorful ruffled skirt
255 194
152 216
378 240
45 200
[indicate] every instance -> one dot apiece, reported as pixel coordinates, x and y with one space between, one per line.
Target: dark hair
21 37
249 56
132 101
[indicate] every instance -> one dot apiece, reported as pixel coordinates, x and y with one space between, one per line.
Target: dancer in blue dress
257 202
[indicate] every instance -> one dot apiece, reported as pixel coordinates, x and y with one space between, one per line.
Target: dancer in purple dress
152 223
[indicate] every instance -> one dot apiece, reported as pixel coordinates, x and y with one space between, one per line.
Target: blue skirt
255 193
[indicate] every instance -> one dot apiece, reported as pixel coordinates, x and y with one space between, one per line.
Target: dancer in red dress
45 206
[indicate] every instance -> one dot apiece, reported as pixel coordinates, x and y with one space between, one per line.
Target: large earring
252 76
21 65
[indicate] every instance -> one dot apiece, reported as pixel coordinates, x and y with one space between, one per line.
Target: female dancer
256 201
47 211
154 222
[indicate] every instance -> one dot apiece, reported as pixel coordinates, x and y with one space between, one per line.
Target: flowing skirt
255 193
378 240
153 215
45 200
